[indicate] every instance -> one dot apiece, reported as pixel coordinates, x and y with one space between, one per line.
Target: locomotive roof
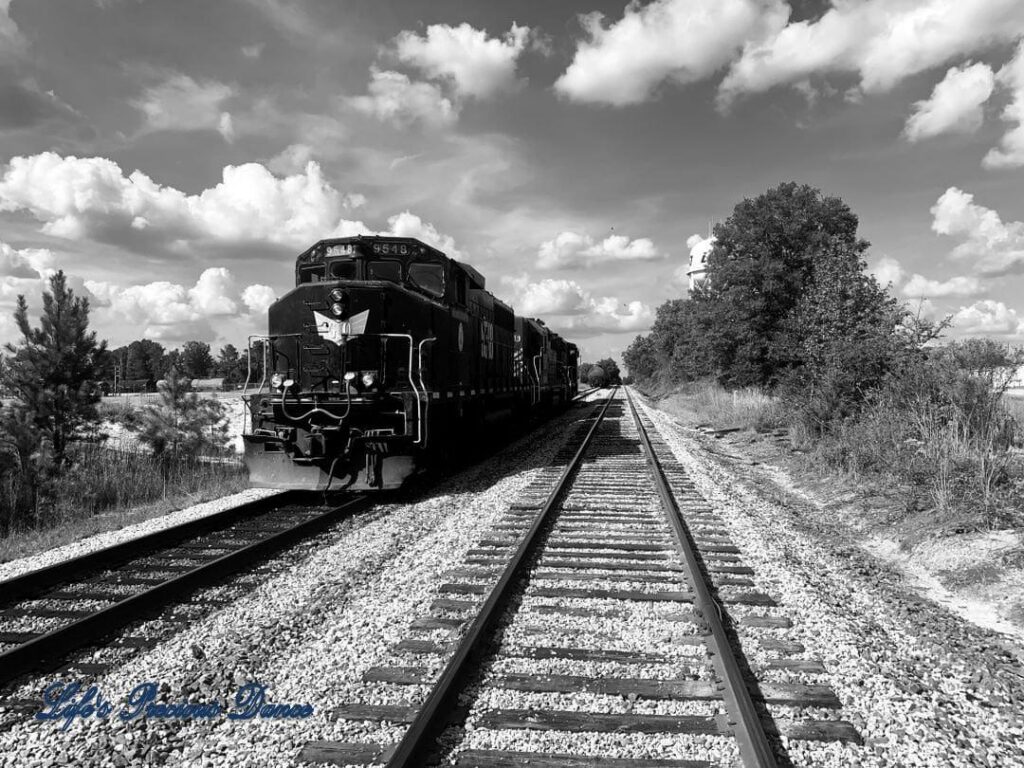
421 250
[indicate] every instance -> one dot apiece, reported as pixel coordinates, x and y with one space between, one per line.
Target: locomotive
388 353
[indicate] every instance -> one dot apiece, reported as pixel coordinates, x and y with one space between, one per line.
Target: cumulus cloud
406 224
988 317
168 311
993 246
180 103
258 298
394 98
881 41
920 287
681 41
23 271
92 197
472 63
571 249
25 263
955 105
1010 153
887 270
568 308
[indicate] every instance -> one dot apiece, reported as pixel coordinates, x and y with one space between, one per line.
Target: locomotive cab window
311 274
342 269
428 278
384 270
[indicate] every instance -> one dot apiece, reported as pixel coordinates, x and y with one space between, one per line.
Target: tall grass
749 408
964 460
101 479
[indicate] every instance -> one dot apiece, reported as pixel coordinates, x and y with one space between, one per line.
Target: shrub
181 423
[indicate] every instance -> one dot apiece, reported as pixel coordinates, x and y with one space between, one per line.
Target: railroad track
49 613
593 619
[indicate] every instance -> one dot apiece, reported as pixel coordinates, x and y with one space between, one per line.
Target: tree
611 371
144 360
196 360
840 339
181 424
230 365
52 373
641 357
171 360
762 263
583 371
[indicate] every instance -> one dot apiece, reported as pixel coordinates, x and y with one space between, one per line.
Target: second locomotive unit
385 352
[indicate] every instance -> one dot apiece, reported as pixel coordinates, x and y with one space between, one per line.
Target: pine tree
196 360
52 375
181 424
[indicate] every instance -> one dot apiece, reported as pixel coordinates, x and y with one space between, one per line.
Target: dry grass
711 404
25 543
107 489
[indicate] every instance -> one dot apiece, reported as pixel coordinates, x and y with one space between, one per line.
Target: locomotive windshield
384 270
428 277
343 270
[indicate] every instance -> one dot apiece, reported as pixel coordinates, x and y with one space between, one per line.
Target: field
118 482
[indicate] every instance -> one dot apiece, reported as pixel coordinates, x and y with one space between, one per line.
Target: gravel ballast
308 633
923 687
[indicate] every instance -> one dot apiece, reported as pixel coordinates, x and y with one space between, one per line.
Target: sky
174 157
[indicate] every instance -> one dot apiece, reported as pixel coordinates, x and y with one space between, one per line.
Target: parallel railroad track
593 593
49 613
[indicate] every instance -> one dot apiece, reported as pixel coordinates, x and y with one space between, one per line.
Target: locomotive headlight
350 375
337 309
337 295
276 380
369 379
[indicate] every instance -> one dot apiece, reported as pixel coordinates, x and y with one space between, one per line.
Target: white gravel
921 686
309 633
99 541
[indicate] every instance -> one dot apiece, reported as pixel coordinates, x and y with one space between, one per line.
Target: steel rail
35 582
412 750
41 650
755 751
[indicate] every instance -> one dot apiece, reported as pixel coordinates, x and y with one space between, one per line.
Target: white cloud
394 98
681 41
253 51
406 224
91 197
988 317
882 41
180 103
955 105
887 270
571 310
571 249
168 311
474 64
25 263
1010 153
993 246
211 294
552 297
920 287
258 298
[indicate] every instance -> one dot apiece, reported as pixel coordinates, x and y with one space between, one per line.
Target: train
386 355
